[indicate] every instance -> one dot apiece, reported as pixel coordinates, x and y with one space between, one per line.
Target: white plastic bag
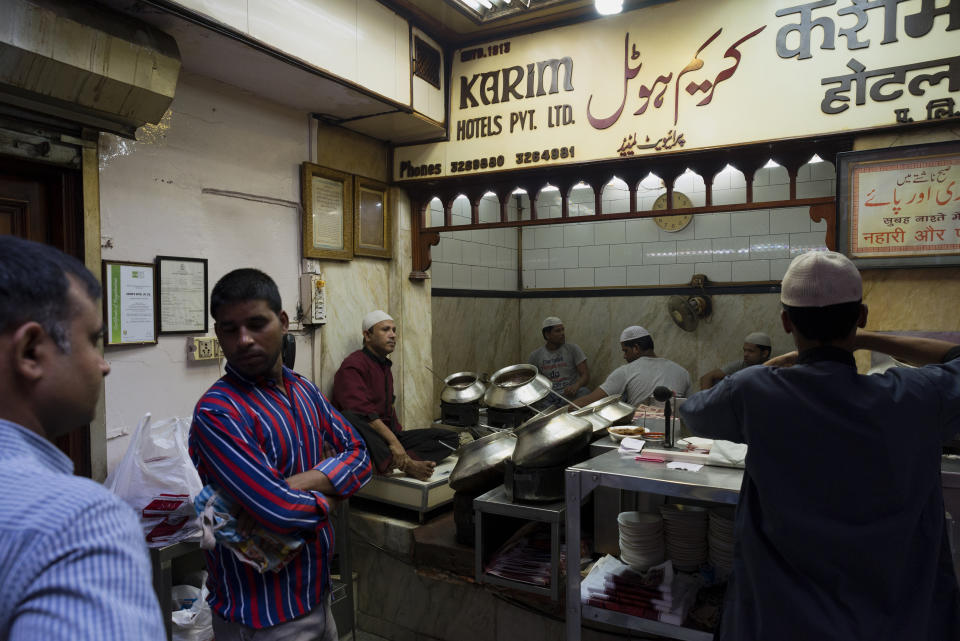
158 479
193 621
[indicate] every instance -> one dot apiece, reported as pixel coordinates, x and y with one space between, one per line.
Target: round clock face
673 222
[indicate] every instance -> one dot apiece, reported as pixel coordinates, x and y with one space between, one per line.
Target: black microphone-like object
664 394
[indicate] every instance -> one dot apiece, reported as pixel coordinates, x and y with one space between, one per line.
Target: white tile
767 247
583 209
737 180
616 205
511 238
481 236
770 193
687 233
489 210
639 275
803 174
564 258
789 220
581 277
691 251
779 176
549 199
529 240
548 236
659 253
536 259
488 255
750 223
580 235
712 225
441 275
435 217
820 226
611 276
612 233
553 211
506 257
815 189
461 207
761 178
717 272
452 250
497 237
642 230
676 274
733 196
823 171
598 256
630 254
549 278
461 277
810 241
778 268
751 270
581 195
465 235
722 179
471 253
479 278
529 279
727 249
496 278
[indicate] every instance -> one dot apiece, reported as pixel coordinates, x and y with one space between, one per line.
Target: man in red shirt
363 392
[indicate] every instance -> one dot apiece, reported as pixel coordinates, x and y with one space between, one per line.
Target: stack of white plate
641 539
685 527
720 538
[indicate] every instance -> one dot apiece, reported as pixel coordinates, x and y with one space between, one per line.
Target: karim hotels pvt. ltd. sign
689 75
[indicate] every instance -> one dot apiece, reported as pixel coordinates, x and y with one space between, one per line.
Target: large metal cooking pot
612 409
462 387
516 386
599 423
550 439
480 463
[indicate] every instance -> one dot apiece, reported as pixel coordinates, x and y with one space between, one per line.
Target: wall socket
203 348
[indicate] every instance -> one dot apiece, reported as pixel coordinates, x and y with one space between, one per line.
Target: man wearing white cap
756 351
840 526
563 363
643 372
363 392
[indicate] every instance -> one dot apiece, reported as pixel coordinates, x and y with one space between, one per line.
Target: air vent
426 63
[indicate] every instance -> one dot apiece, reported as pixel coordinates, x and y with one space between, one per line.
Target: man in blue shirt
73 563
840 529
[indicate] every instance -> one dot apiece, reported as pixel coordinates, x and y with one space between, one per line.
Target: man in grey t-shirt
563 363
643 372
756 351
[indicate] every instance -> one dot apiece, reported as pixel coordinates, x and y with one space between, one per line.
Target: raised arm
909 349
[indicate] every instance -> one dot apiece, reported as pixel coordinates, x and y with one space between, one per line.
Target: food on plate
648 411
628 431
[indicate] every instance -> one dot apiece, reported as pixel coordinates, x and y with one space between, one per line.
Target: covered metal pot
611 409
599 423
516 386
462 387
480 463
551 439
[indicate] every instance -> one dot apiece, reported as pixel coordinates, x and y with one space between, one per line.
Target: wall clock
674 222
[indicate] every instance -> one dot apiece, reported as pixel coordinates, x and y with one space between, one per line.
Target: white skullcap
375 317
758 338
821 278
550 321
632 333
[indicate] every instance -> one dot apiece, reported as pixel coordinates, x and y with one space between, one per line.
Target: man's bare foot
420 470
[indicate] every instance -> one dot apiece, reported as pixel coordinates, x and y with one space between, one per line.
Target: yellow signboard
689 74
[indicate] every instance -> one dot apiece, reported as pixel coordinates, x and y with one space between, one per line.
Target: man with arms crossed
563 363
73 562
265 437
840 529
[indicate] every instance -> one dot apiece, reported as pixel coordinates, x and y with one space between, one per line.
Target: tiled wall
742 246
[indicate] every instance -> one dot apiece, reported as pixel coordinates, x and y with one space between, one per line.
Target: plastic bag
157 478
193 621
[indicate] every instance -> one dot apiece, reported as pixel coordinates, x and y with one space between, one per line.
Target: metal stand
162 560
718 485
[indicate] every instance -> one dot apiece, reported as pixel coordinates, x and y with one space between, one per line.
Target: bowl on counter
551 439
611 409
618 433
516 386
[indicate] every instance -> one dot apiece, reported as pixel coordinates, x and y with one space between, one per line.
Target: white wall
151 203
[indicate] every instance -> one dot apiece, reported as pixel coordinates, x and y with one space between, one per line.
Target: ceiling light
486 3
815 159
473 4
771 164
518 191
608 7
549 188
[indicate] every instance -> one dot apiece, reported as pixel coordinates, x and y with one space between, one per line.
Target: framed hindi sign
129 310
181 295
327 212
900 207
371 221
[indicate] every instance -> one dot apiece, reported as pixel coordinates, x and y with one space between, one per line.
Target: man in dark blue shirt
840 529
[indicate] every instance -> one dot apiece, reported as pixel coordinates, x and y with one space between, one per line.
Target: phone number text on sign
546 155
457 166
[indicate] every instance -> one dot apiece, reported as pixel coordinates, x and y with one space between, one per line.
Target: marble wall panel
473 334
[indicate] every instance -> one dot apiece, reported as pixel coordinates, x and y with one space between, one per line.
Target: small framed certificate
129 303
371 221
182 306
327 213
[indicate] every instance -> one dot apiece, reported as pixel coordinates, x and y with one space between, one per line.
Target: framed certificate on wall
371 221
327 212
900 207
181 295
129 304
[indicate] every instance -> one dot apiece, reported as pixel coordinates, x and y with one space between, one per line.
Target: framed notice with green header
900 207
129 303
327 212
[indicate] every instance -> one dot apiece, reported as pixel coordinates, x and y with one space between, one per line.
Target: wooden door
44 203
